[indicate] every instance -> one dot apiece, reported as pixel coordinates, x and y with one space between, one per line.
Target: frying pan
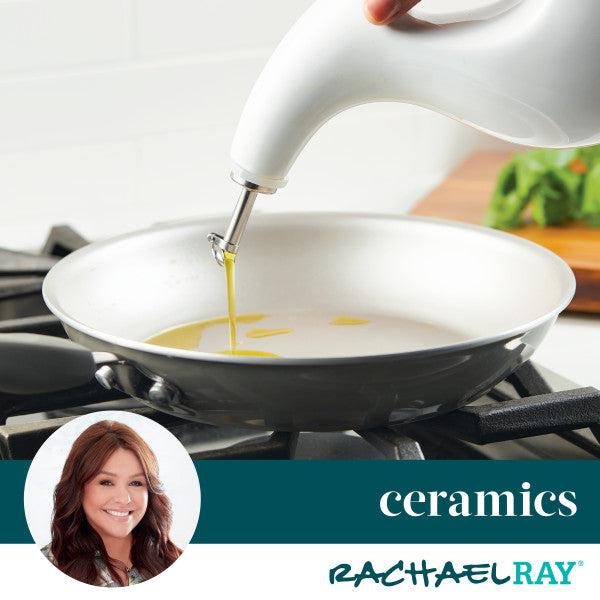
503 293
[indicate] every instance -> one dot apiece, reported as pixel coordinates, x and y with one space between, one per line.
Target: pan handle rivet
160 392
106 377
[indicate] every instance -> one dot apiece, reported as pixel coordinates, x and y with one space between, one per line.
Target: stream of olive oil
229 263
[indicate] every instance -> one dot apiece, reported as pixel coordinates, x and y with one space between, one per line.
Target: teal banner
376 502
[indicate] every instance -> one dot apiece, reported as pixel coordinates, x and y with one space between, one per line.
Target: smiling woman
112 520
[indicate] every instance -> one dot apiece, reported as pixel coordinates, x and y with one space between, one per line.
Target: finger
381 12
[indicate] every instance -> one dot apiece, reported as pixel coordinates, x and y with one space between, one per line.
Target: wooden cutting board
464 196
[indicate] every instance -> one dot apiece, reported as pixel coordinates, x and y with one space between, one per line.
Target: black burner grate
21 275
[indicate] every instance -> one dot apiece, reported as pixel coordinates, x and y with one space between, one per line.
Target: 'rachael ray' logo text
426 574
524 503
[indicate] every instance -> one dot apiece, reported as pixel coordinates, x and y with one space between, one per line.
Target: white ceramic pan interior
444 283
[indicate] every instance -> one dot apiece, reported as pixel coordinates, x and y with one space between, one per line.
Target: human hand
382 12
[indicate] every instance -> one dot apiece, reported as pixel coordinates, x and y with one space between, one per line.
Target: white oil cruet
526 71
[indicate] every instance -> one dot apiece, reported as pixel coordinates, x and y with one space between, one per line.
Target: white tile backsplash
115 114
105 104
186 173
76 185
37 34
190 26
361 160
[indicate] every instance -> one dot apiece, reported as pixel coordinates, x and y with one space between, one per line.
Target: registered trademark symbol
580 563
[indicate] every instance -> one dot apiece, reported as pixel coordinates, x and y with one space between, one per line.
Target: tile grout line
100 67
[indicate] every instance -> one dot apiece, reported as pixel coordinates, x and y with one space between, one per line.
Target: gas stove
533 414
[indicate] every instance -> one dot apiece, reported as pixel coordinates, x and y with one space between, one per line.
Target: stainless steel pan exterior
504 293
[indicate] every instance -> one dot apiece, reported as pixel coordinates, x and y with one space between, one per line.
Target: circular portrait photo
112 498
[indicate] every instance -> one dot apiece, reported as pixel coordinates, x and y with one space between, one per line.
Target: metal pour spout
230 242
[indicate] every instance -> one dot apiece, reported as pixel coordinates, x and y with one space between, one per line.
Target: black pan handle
34 364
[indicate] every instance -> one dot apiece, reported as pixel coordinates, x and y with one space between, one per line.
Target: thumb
381 12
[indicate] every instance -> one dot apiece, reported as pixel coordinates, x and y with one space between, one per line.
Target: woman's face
115 500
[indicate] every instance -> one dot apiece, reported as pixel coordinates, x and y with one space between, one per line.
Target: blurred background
117 114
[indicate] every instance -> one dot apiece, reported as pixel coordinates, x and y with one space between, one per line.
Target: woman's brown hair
75 543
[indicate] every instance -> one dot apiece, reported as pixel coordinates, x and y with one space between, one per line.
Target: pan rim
562 268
